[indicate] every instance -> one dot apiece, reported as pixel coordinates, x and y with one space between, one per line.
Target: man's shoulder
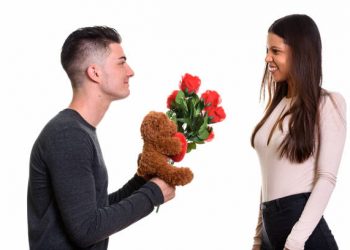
66 120
65 129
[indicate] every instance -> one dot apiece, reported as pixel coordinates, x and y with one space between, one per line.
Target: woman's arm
258 230
331 144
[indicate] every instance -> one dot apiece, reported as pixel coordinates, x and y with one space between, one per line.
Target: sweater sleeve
331 144
132 185
69 159
258 229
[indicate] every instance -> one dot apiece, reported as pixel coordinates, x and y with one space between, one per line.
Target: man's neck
92 109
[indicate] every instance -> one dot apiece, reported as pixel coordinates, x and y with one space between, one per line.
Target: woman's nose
268 58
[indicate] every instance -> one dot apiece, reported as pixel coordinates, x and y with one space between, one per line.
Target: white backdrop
222 42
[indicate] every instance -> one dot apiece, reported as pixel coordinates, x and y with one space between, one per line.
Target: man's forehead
116 50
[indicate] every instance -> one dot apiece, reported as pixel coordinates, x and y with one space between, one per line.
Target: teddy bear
162 142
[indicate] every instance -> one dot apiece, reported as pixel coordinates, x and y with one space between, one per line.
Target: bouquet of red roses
193 114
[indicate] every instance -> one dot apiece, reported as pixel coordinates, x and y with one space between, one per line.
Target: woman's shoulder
333 105
332 98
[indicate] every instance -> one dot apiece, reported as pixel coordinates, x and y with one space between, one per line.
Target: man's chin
123 96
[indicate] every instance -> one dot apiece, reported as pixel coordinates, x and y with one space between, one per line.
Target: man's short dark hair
81 45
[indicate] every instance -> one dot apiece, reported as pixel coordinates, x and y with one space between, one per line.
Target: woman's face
278 58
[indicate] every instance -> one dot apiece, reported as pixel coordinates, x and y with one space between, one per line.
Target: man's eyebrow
122 58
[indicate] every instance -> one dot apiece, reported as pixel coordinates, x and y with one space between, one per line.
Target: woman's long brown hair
302 35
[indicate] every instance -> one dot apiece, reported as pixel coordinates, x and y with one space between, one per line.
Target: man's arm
69 159
131 186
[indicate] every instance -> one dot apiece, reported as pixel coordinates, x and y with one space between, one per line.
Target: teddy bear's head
161 143
157 125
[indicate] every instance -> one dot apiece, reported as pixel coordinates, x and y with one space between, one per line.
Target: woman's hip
279 217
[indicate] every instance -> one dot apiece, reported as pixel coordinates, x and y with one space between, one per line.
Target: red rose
191 83
171 98
211 136
217 114
211 99
180 156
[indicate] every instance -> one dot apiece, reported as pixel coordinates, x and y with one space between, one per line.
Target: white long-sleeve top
317 175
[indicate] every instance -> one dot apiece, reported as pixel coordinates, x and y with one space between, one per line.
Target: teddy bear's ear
150 126
156 125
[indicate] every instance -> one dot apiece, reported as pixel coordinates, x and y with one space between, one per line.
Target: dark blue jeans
280 215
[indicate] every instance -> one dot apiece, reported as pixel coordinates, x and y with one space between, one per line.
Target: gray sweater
68 204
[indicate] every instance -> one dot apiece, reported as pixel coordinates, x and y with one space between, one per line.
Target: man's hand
167 190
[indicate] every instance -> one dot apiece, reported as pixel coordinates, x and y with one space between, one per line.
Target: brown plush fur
158 131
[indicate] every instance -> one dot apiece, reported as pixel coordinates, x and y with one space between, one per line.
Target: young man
68 203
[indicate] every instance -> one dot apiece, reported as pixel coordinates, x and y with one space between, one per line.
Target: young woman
299 140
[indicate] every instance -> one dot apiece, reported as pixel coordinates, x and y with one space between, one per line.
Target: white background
222 42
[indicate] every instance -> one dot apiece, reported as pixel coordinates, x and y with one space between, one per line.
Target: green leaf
170 113
204 124
186 92
196 109
180 103
179 97
191 107
197 140
200 142
183 120
191 146
203 130
197 112
203 134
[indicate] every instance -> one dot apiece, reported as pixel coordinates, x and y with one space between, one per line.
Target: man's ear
94 73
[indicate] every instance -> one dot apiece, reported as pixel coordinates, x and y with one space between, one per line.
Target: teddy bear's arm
169 146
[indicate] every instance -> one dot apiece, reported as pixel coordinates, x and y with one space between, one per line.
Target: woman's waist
272 191
281 182
286 201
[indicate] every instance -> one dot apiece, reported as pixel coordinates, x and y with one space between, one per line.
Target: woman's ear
94 73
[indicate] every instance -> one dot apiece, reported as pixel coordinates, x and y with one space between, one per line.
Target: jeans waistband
284 201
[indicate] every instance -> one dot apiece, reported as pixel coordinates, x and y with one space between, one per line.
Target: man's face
116 73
